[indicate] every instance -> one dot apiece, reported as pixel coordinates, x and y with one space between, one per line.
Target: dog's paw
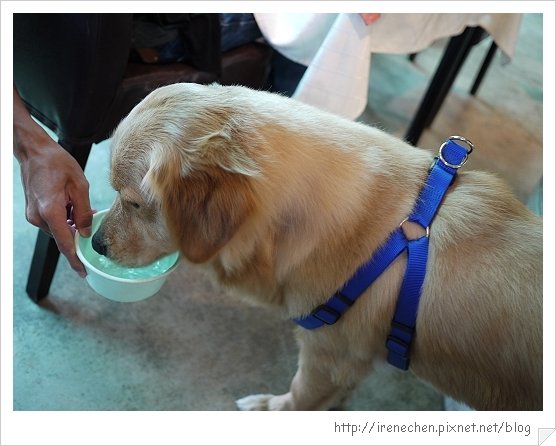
254 402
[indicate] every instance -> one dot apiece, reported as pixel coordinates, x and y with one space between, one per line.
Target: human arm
56 190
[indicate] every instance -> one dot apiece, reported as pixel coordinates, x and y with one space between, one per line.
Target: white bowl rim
115 278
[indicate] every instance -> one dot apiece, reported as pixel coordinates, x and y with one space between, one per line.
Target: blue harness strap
450 158
332 310
405 316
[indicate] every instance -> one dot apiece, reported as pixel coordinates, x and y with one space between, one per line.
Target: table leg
454 56
484 67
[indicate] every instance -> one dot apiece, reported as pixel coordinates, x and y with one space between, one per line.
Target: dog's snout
99 245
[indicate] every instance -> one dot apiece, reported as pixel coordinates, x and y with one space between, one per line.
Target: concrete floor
191 347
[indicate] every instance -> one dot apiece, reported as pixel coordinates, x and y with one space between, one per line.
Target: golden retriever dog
282 203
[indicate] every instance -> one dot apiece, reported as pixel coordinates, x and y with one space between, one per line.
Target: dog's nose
98 243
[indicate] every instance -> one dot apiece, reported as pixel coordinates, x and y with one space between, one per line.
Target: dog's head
183 175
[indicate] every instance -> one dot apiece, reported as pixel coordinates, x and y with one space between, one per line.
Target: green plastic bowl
117 282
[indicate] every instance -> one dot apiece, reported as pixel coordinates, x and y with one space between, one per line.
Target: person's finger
72 223
82 214
33 217
64 237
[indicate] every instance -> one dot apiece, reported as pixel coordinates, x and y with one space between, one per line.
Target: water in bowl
115 269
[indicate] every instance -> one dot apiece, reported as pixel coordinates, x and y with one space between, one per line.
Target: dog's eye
134 204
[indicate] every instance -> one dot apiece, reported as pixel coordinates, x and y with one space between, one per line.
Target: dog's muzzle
98 243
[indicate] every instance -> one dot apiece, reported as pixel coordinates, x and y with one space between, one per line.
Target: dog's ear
205 201
224 149
205 211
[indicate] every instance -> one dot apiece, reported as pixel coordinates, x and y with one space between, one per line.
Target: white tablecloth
337 48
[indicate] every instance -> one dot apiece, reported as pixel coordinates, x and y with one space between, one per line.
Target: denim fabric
237 29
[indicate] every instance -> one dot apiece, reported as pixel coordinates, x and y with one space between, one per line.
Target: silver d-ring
406 219
456 138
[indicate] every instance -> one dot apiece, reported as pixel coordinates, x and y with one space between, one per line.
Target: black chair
452 60
73 73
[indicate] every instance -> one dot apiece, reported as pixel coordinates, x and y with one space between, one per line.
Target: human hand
57 198
56 190
369 18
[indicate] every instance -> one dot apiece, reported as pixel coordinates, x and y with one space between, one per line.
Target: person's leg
237 29
285 74
240 28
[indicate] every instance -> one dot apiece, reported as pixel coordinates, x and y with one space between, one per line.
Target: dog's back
479 330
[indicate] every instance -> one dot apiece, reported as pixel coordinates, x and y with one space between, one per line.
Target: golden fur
282 203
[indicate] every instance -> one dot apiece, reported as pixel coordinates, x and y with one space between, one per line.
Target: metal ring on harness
456 138
406 219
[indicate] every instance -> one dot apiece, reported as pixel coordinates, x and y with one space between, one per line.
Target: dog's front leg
323 381
303 395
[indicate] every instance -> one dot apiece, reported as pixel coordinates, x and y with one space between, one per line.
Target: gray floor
193 348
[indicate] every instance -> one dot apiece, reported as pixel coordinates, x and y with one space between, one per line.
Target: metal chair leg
484 67
43 266
455 54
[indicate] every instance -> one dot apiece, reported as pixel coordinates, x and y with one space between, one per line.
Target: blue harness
451 157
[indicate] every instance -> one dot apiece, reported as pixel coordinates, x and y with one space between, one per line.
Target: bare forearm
53 182
28 135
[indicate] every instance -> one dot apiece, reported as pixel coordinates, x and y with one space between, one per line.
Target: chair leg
484 67
43 266
46 254
471 39
455 54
